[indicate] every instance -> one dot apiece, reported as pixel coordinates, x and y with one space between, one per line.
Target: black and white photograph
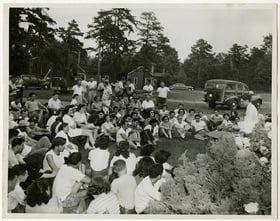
140 109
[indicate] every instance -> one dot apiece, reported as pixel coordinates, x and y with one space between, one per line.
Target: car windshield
214 85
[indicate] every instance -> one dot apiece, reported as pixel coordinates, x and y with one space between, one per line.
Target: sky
219 25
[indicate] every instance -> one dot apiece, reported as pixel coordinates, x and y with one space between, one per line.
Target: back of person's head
102 142
123 149
13 133
73 159
57 141
11 174
164 118
38 193
191 110
143 166
147 150
17 141
162 156
119 166
155 171
225 115
20 169
99 185
31 94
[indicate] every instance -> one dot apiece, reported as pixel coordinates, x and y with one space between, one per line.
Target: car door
240 90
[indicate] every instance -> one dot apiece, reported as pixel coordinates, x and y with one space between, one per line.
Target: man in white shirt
251 116
124 187
148 88
79 90
148 189
162 94
55 103
91 88
148 103
118 88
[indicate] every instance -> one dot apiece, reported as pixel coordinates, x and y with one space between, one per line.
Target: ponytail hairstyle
73 159
123 149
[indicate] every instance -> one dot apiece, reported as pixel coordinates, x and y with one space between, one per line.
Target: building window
135 81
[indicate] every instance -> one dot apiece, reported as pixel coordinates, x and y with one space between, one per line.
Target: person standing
101 87
162 94
106 97
91 89
148 87
79 90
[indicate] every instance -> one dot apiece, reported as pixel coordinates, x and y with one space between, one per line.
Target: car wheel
233 103
212 104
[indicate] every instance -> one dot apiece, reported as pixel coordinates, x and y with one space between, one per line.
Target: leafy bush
222 181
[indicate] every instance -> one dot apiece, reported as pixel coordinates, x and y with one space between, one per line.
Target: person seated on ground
63 133
105 201
139 116
68 182
147 105
164 111
97 119
150 133
124 187
134 134
226 124
216 118
190 116
142 168
39 199
235 121
123 153
75 100
165 128
203 116
147 189
74 131
181 128
16 104
54 103
99 157
115 102
116 111
54 157
180 106
161 157
108 129
35 108
199 128
12 179
81 118
52 119
182 112
36 132
251 115
151 115
146 151
133 103
12 121
123 134
16 147
172 118
16 195
44 142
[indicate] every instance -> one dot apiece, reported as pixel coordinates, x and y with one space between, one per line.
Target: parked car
33 81
227 92
181 86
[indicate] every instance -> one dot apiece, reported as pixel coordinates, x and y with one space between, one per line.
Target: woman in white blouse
74 131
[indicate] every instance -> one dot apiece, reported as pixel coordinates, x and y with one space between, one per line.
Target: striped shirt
104 204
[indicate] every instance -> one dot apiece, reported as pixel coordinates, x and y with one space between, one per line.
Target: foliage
221 181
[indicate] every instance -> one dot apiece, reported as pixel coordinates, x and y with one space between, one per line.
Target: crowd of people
59 159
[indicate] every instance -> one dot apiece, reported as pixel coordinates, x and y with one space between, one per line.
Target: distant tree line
36 46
